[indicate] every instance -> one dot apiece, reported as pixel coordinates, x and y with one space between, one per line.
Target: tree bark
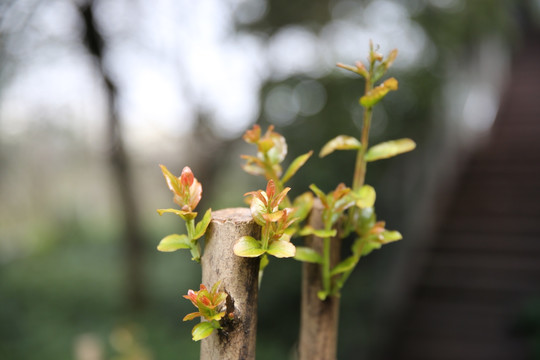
119 164
239 279
318 319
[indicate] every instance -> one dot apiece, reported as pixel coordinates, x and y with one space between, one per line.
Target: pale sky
172 56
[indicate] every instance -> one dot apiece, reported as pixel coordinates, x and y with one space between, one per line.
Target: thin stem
195 246
190 226
326 266
266 235
326 278
271 173
347 273
360 167
265 239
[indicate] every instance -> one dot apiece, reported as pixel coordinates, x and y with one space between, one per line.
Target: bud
390 58
253 135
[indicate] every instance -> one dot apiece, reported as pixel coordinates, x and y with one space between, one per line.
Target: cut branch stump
318 319
239 279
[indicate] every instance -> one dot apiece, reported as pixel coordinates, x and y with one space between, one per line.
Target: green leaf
247 246
172 181
295 166
320 194
378 72
389 236
389 148
381 69
309 230
253 165
186 215
191 316
365 197
341 142
217 316
201 227
302 205
322 295
215 287
285 237
365 220
281 249
257 208
276 154
346 265
264 262
273 217
202 330
357 246
343 203
376 94
359 69
307 254
174 242
265 144
370 246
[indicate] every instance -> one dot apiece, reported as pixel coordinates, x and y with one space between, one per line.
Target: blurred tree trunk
132 239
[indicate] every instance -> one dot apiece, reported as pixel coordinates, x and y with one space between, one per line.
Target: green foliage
200 228
295 166
248 246
351 209
265 210
365 197
204 329
307 254
346 265
271 151
346 210
389 149
373 96
281 248
341 142
272 209
187 193
211 309
309 230
174 242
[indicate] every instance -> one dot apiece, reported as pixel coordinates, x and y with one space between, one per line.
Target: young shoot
275 239
271 152
211 309
187 193
360 218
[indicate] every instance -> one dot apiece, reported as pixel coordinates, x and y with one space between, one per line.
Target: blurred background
94 94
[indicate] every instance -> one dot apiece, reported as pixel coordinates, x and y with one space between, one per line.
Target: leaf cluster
346 210
272 209
187 193
351 210
271 152
275 222
210 305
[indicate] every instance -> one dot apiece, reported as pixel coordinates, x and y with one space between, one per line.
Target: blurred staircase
483 269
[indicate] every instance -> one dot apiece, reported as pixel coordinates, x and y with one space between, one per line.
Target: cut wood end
234 215
317 205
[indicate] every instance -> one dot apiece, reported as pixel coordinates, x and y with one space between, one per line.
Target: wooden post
239 279
318 319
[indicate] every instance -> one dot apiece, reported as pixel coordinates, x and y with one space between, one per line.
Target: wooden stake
239 279
318 319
